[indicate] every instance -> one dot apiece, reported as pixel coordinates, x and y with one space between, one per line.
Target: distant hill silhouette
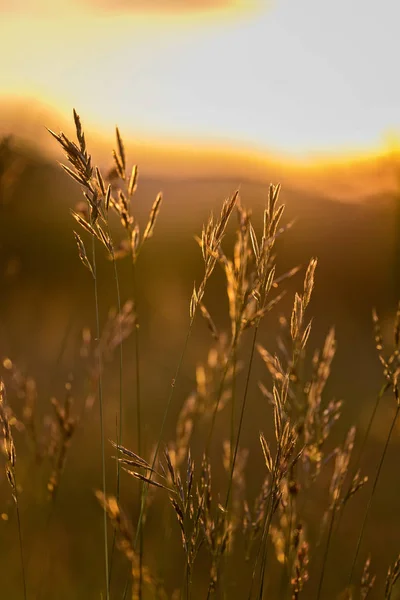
347 179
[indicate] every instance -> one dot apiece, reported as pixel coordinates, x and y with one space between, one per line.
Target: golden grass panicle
342 461
132 186
117 328
367 580
119 157
301 570
25 389
200 404
210 243
120 202
8 442
210 323
124 540
155 209
392 576
188 501
82 253
216 525
318 421
66 425
299 332
238 481
253 519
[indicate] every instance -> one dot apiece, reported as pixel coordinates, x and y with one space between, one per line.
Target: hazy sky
293 76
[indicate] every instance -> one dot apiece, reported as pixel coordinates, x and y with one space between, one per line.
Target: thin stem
233 460
379 397
114 532
100 392
138 419
233 401
188 583
120 371
286 565
267 524
21 552
184 581
125 592
378 472
119 433
164 420
246 389
324 560
382 392
264 546
217 403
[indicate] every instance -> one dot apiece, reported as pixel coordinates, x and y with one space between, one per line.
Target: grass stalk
217 401
119 427
379 397
263 547
116 278
233 400
163 423
286 565
138 420
267 525
326 552
101 410
21 548
374 486
234 455
242 410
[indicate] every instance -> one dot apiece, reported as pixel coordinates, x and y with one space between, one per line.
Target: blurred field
46 300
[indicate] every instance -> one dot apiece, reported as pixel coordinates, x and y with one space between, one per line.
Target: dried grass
213 516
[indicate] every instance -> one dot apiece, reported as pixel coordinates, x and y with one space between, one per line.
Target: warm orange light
342 176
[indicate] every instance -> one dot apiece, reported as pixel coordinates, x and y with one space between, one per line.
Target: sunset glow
292 79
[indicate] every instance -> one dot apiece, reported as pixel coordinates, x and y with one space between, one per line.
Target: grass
266 542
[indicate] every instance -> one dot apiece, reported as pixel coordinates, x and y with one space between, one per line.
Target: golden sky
283 76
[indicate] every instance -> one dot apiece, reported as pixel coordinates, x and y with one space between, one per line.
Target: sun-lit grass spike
147 479
78 178
119 165
121 153
85 224
300 570
211 325
11 457
124 538
392 576
309 281
266 452
367 580
273 195
390 373
130 454
297 317
155 209
396 330
100 181
133 181
82 163
65 425
79 131
82 253
8 442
